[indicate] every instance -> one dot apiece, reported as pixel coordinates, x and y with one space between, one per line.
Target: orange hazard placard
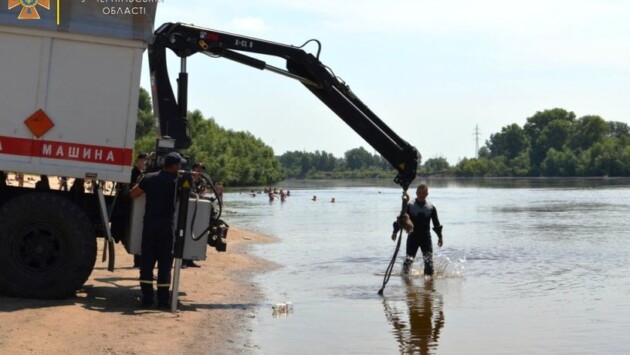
39 123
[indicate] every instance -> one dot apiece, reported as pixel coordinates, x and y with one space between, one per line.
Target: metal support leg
98 190
175 294
178 247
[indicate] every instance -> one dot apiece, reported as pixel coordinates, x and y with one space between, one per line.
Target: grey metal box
193 249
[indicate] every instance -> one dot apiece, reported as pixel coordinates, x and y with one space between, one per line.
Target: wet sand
217 304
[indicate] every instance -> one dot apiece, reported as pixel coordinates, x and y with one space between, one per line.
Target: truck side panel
88 88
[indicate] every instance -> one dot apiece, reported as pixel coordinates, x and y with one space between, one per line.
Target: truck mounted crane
186 40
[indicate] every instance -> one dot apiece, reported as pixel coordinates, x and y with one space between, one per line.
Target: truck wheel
47 246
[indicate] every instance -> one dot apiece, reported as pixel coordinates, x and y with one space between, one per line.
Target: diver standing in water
421 212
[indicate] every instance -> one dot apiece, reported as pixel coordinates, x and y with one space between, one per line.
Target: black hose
194 216
390 268
214 190
209 183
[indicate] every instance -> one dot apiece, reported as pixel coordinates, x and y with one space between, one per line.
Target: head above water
422 192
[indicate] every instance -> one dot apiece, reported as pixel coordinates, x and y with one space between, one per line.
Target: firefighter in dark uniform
421 212
158 228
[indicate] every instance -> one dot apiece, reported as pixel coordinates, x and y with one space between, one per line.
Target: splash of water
444 267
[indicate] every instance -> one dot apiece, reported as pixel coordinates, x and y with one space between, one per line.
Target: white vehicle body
86 85
69 88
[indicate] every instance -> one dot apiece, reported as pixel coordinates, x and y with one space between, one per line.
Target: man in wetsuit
421 212
158 228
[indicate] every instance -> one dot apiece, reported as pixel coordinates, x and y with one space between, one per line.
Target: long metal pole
178 247
184 195
175 295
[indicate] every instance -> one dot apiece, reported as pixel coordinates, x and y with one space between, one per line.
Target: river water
527 266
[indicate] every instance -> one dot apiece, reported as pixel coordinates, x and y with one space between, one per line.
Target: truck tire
47 246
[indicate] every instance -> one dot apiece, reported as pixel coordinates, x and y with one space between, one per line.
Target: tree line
554 143
551 143
356 163
240 159
232 157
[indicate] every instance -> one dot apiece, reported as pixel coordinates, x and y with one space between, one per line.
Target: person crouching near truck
158 229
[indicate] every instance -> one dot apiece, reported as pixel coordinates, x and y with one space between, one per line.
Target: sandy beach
217 303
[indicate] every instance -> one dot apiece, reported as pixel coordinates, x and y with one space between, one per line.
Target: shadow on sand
117 296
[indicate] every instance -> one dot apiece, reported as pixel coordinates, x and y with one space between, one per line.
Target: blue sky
432 70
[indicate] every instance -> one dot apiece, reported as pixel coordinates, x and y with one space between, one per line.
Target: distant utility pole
477 134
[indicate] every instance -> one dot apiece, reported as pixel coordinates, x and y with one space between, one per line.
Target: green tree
618 129
554 135
235 158
144 144
474 167
559 163
587 131
510 142
292 164
609 158
519 166
324 161
358 158
359 163
558 145
534 129
436 165
484 152
145 125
